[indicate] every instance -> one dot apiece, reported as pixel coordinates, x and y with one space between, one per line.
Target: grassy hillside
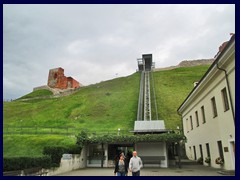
172 87
32 145
108 105
38 93
105 106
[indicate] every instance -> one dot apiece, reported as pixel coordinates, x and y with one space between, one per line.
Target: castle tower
57 79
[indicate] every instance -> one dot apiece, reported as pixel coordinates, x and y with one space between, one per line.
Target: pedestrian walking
135 164
122 154
121 167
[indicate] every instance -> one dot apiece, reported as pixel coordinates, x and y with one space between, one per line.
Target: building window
190 150
197 121
191 122
208 150
95 154
194 151
203 115
187 125
220 149
225 99
214 107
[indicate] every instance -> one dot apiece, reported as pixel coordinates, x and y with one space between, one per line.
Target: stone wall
72 83
188 63
56 92
42 87
46 87
77 161
59 84
56 78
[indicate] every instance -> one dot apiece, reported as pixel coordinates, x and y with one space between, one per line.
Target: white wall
217 128
77 161
153 149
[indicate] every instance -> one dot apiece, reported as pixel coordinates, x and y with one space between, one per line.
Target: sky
94 43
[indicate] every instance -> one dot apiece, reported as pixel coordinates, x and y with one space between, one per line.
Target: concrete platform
186 170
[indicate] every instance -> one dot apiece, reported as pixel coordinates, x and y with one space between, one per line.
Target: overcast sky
94 43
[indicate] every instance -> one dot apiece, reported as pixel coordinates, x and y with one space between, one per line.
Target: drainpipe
229 92
181 122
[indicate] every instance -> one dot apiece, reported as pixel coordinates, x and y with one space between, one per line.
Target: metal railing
67 130
140 99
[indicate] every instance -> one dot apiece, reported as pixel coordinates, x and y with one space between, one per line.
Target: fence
66 130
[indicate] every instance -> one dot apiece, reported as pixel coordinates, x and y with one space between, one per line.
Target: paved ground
187 170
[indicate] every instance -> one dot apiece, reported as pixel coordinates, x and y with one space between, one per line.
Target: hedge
109 138
20 163
56 152
52 158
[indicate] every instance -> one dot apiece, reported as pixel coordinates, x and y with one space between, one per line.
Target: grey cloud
96 42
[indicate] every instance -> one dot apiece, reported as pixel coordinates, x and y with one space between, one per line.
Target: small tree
82 138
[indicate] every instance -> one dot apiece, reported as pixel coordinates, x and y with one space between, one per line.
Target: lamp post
119 131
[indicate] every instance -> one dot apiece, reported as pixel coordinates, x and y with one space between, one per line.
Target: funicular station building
153 154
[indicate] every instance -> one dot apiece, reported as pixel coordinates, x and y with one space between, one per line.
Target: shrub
74 149
200 160
83 138
207 160
56 152
219 160
20 163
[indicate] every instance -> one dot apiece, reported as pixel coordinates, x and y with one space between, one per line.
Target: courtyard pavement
186 170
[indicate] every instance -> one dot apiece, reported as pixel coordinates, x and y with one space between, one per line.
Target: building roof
209 69
149 126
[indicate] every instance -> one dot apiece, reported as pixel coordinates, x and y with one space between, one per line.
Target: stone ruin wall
57 79
188 63
59 84
72 83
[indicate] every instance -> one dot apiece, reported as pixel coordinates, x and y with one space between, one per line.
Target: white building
208 113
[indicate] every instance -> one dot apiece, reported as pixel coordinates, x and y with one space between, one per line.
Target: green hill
38 93
172 87
106 105
32 145
102 107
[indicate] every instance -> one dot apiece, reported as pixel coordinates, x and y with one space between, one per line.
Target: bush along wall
20 163
56 152
52 158
109 138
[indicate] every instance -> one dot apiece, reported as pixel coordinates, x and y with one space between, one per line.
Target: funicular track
144 101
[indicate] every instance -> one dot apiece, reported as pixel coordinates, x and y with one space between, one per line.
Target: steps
186 162
227 172
147 98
